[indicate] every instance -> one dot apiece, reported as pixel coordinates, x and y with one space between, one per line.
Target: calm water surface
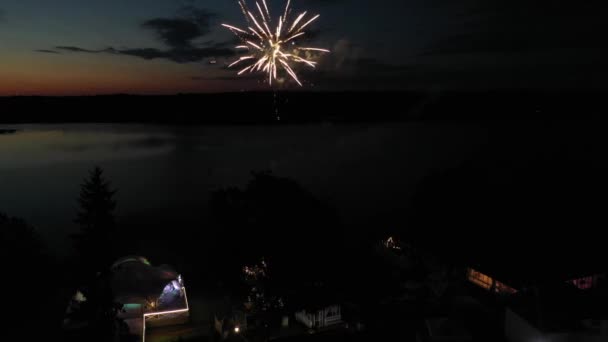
362 169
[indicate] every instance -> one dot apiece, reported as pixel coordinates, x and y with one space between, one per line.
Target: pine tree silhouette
96 241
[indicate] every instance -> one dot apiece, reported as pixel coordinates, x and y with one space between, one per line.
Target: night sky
75 47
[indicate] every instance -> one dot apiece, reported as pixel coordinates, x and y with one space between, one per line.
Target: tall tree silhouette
100 311
276 218
26 265
96 241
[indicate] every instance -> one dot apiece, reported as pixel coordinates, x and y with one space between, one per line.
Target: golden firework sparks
268 49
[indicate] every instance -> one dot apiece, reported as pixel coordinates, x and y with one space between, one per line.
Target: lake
363 170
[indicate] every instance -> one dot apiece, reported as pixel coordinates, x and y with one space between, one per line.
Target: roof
128 259
314 297
134 279
519 269
519 260
559 307
531 219
444 328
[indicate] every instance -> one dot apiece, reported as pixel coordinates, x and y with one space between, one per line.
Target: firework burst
272 50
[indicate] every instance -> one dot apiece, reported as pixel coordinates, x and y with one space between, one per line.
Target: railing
156 315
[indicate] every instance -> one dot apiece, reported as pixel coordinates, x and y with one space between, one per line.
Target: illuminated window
584 283
488 283
480 279
502 288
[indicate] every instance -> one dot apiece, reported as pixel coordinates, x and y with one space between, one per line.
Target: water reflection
170 171
32 146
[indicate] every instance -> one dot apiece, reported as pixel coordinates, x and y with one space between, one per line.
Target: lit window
584 283
480 279
502 288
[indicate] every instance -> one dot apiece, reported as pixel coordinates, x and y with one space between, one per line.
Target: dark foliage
31 281
96 243
534 210
277 219
99 313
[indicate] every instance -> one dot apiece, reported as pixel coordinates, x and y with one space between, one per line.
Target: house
443 329
148 296
488 283
317 306
589 281
151 296
544 301
491 284
227 327
555 313
321 317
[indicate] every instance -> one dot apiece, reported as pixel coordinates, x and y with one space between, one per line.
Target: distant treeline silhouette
301 107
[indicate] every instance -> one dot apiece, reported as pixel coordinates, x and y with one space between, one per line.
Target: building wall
486 282
167 319
322 318
304 318
575 337
333 315
131 310
588 282
519 330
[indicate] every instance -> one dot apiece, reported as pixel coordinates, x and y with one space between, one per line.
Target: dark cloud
226 78
482 77
324 2
145 53
76 49
514 26
343 67
374 66
185 55
226 44
312 35
355 73
174 32
149 142
352 74
178 34
46 51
